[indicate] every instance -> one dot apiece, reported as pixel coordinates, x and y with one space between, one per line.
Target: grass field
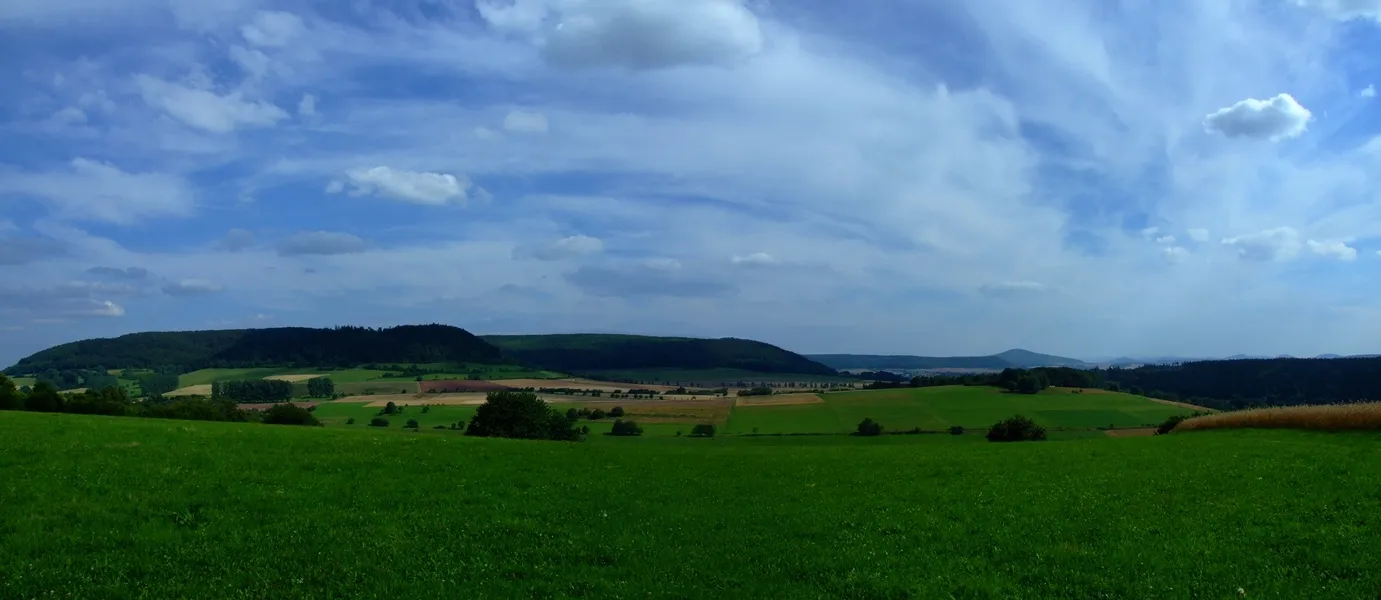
939 408
23 381
710 377
123 508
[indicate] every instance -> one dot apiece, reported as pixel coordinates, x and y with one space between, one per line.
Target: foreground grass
124 508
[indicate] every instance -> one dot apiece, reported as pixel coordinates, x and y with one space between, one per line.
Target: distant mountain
583 352
1010 359
286 346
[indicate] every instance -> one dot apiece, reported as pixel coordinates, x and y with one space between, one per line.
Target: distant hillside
1242 382
588 352
1023 359
287 346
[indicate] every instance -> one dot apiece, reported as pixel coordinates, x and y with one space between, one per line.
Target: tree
112 401
702 430
321 387
956 430
616 412
411 424
350 421
390 408
43 397
625 428
869 427
522 415
9 396
597 414
289 414
572 414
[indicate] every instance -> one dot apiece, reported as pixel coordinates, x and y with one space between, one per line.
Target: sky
1090 178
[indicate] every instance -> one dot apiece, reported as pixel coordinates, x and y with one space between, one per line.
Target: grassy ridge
123 508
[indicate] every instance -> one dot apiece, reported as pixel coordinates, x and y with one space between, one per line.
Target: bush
616 412
703 430
597 414
439 427
426 408
378 422
350 421
584 429
626 428
572 414
411 424
9 396
521 415
869 427
43 398
1170 424
289 414
390 408
1016 429
956 430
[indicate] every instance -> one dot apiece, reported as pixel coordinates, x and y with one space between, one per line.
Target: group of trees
575 414
321 387
520 415
253 391
115 401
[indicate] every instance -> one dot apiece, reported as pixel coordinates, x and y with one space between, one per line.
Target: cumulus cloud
1344 10
272 28
566 247
1198 235
651 34
1008 289
1278 244
523 121
191 287
25 250
254 62
432 189
1277 118
756 259
1165 239
236 240
125 274
1368 92
1150 232
204 109
94 191
306 107
513 16
322 243
1175 254
1335 249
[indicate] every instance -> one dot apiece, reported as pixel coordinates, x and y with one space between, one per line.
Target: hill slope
285 346
587 352
1016 358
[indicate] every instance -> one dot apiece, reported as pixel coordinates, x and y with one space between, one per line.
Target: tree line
115 401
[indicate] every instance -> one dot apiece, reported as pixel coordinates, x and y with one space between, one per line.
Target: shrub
378 422
625 428
956 430
9 396
426 408
43 398
289 414
572 414
439 427
616 412
1016 429
597 414
390 408
350 421
869 427
522 415
411 424
584 429
703 430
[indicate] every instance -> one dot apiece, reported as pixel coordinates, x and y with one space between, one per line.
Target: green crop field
114 508
710 377
206 376
938 408
23 381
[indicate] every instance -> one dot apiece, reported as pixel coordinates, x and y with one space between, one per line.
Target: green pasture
23 381
115 508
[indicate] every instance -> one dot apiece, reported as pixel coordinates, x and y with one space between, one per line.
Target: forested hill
587 352
1020 359
287 346
1250 382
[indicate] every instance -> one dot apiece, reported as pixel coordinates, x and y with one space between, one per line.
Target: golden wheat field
1333 417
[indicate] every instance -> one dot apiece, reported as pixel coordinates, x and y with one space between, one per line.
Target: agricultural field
938 408
109 507
23 381
713 377
209 376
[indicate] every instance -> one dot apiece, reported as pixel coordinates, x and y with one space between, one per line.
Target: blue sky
1087 178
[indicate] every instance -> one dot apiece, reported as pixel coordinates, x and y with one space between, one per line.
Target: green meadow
119 507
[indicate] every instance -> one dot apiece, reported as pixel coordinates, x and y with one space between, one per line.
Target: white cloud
1344 10
1198 235
306 107
1277 118
254 62
566 247
1165 239
513 16
417 187
756 259
662 264
191 287
1336 249
93 191
522 121
652 34
99 308
1368 92
1175 254
1278 244
322 243
272 28
1150 232
486 133
68 116
204 109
